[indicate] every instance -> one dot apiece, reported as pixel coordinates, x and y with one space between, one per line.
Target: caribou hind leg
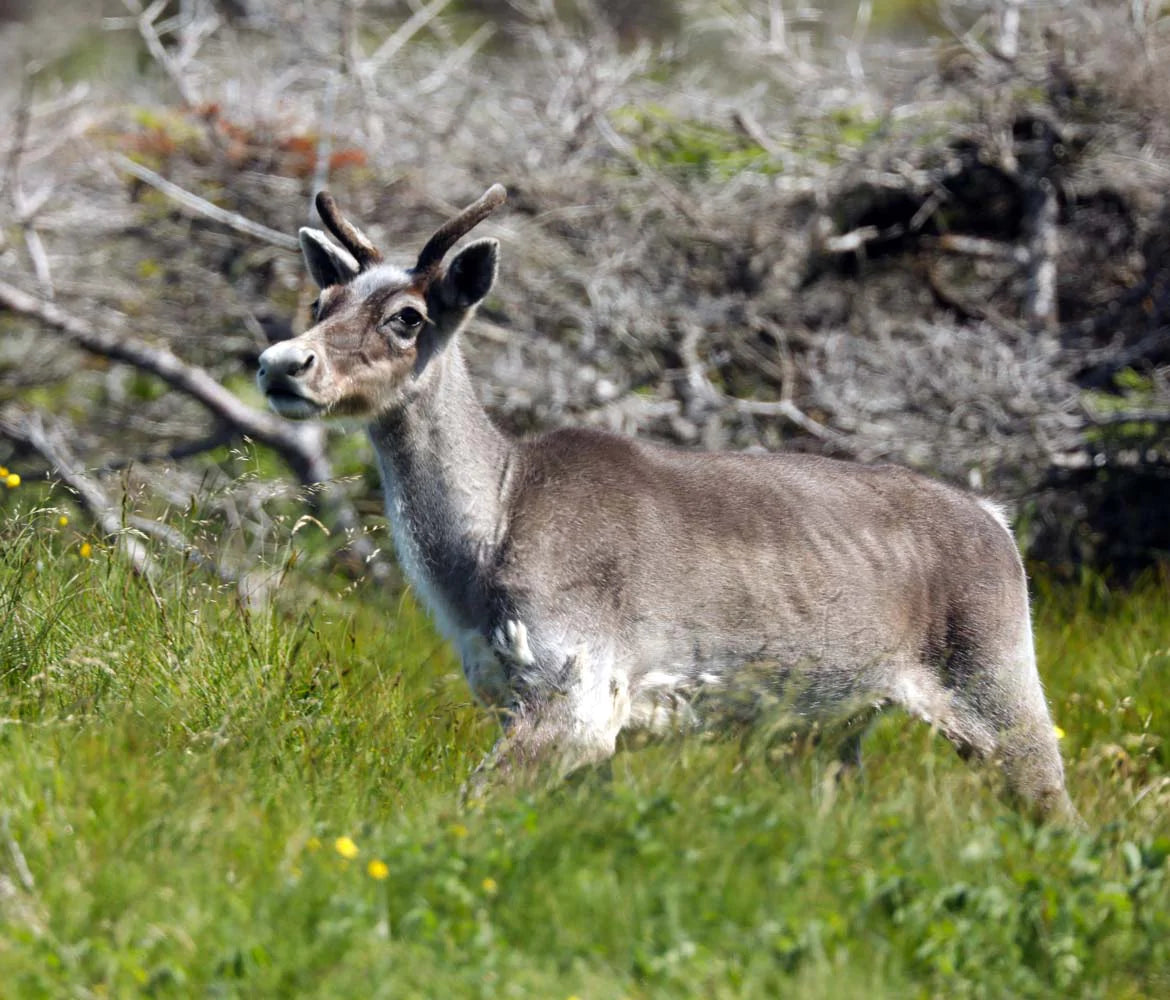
986 698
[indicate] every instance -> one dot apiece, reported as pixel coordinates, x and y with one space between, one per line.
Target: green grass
175 772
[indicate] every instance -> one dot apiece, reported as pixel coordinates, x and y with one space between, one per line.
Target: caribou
594 583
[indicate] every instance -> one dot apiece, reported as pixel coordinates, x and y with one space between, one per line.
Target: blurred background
934 232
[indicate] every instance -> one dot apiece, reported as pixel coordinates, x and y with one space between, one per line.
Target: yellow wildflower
3 471
1060 734
85 551
378 869
346 848
490 886
458 831
63 521
12 480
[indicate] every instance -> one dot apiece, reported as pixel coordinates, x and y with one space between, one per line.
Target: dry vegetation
728 227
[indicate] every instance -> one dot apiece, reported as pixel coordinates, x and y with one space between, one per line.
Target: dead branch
192 32
1043 246
789 411
301 445
398 39
457 60
201 206
1158 418
972 246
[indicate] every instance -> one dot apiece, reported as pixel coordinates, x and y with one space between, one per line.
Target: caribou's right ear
328 263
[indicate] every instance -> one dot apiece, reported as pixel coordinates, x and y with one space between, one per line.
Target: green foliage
1132 391
690 148
213 801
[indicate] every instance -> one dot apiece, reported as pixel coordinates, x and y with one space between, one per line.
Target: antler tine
446 235
352 238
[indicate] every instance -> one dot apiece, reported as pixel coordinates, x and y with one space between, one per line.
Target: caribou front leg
566 716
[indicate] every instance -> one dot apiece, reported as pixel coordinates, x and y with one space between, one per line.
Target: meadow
198 799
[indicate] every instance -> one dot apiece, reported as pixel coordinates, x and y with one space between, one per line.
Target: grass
178 778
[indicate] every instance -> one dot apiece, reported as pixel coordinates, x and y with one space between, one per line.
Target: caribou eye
403 324
315 309
410 318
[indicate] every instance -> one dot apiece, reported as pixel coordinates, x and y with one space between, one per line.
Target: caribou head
376 327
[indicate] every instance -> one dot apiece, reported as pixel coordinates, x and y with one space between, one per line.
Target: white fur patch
660 703
600 698
382 276
511 640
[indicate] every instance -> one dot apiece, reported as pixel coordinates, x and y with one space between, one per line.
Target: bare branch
1157 417
301 441
202 206
301 445
457 60
191 36
39 258
1043 247
399 38
789 411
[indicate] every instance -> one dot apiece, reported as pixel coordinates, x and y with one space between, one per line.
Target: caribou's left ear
470 275
328 263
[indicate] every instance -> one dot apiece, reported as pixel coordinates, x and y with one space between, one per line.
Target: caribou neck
446 473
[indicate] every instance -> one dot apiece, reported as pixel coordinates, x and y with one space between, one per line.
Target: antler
352 238
446 235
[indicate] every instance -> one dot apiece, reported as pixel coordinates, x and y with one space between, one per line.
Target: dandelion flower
63 521
3 472
378 870
1059 732
346 848
85 551
490 886
12 480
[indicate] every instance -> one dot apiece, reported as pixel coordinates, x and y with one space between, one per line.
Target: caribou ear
327 263
471 274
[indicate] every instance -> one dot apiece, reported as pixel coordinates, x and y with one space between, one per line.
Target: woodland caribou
594 583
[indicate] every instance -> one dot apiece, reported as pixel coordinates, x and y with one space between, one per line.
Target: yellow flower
458 831
490 886
63 521
85 551
3 471
377 869
1059 732
346 848
313 843
12 480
